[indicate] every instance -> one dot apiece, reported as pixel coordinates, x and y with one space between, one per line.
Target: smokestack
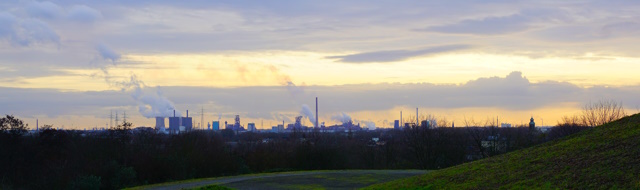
401 122
317 112
187 113
37 125
417 120
174 113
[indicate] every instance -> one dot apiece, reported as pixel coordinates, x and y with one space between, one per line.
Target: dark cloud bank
513 92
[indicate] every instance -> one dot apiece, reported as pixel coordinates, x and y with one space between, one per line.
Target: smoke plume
370 124
149 104
342 117
306 111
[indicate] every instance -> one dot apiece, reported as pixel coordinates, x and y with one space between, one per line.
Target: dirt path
233 179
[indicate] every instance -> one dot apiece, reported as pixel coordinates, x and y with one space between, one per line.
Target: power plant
176 124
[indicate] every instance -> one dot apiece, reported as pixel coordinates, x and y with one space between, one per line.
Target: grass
197 180
326 180
605 157
319 179
211 187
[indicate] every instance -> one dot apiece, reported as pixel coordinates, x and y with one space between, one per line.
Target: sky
72 64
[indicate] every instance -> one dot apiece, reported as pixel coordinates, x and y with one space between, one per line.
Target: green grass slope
606 157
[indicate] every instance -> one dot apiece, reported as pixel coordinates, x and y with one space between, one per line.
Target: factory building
251 127
396 124
187 122
236 126
429 123
174 123
215 125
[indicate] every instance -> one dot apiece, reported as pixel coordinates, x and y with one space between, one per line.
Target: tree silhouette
12 126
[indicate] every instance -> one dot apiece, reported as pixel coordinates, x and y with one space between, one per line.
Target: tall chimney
417 120
174 113
317 112
187 113
401 122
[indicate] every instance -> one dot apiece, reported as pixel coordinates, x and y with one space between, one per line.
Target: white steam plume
149 104
342 117
370 124
306 111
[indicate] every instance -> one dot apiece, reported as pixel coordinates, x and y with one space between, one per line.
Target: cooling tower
160 123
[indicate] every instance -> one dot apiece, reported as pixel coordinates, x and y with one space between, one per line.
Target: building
494 144
215 125
396 124
236 126
187 122
532 125
174 123
505 125
251 127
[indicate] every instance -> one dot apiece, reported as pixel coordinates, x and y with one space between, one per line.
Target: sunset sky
71 63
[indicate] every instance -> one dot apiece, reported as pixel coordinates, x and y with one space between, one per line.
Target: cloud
26 32
397 55
54 103
107 53
45 9
589 33
487 26
495 25
83 13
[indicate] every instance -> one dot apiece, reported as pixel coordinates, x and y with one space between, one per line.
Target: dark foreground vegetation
124 157
605 157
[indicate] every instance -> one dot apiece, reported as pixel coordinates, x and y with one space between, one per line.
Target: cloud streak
397 55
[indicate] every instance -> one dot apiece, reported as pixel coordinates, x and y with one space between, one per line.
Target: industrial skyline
71 63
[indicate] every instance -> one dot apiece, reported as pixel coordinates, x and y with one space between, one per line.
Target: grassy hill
605 157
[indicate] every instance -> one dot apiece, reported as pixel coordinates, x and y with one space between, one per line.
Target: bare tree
443 122
601 112
476 131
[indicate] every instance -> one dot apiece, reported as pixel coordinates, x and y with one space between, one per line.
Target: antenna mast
116 117
111 119
202 118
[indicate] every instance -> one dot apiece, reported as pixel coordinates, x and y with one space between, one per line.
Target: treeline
122 157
